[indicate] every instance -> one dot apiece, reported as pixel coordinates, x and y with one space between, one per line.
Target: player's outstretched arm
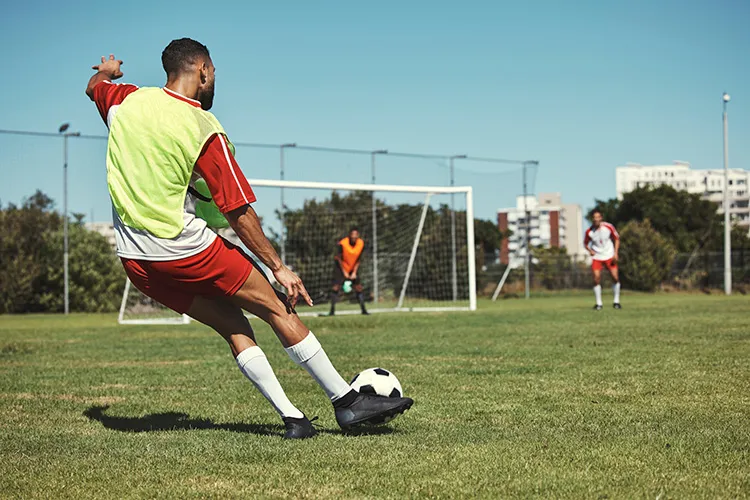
246 224
108 70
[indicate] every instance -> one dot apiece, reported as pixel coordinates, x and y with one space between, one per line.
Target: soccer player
161 140
603 243
348 257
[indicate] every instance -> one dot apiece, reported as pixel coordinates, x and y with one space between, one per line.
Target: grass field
540 398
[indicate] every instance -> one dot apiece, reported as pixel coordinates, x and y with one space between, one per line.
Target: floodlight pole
66 274
376 285
527 234
727 217
282 209
454 271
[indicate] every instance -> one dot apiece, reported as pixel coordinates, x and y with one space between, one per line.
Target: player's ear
204 72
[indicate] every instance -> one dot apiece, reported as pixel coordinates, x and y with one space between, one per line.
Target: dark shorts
338 277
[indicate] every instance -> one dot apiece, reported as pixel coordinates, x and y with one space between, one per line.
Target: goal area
418 246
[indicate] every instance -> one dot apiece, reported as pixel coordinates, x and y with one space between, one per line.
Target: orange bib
350 254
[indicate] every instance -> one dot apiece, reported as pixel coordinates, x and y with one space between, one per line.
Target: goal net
418 253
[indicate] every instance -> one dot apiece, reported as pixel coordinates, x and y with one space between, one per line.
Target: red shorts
218 271
598 265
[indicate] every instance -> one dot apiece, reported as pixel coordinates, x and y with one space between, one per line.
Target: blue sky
580 86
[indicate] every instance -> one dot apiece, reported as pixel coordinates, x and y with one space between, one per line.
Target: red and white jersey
216 165
601 240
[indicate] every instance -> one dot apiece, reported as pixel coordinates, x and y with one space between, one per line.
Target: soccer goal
418 254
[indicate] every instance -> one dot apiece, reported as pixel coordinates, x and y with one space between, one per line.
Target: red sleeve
615 234
108 94
586 239
216 164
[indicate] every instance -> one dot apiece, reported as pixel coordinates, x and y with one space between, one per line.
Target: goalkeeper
348 257
161 141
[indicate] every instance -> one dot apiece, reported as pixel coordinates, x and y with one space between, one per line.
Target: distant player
348 257
603 243
161 141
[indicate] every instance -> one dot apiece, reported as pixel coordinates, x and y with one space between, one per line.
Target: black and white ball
377 381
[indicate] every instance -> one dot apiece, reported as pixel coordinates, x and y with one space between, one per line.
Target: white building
708 183
551 224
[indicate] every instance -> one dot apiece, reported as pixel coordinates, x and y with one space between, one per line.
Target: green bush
645 256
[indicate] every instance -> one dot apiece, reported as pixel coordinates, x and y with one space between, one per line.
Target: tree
646 256
552 267
31 255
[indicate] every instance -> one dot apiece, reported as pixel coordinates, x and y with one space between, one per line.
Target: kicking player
603 243
348 257
161 140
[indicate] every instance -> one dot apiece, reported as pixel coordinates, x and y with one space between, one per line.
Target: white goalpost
419 251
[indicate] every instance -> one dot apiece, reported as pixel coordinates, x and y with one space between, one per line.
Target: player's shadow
173 421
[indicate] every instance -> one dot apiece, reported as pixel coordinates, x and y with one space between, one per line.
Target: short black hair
353 228
596 211
180 54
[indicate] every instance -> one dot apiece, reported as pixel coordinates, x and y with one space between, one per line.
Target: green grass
543 398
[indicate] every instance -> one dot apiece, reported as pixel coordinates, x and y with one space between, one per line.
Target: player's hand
616 258
353 276
109 66
293 284
592 253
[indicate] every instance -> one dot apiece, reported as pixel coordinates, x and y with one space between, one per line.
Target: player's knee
336 288
359 288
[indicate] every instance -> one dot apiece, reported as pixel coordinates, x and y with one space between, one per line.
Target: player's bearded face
597 219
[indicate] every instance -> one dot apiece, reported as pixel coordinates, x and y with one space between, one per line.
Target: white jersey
601 240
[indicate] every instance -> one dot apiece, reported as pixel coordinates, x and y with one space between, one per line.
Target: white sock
616 289
598 294
254 364
309 354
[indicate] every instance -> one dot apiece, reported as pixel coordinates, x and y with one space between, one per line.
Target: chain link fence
689 272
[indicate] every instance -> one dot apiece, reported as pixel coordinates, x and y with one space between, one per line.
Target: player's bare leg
258 297
229 321
615 273
597 274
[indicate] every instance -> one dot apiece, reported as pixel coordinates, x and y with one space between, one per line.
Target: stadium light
66 276
376 287
282 147
727 219
527 236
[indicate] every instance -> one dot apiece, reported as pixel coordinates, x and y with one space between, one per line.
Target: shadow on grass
174 421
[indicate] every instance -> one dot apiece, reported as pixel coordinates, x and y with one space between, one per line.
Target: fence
703 271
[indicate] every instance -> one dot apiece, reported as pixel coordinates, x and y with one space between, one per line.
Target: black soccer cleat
298 428
597 307
617 305
357 409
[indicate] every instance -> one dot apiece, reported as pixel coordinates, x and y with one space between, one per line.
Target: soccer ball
347 287
378 381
